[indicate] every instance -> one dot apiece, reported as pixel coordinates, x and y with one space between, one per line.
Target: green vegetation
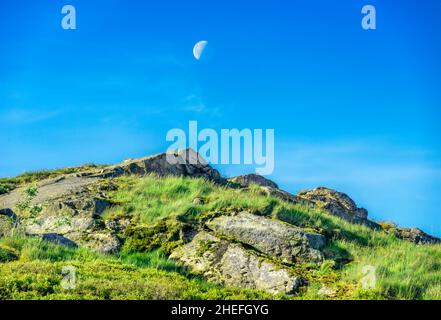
37 274
24 205
403 270
162 211
8 184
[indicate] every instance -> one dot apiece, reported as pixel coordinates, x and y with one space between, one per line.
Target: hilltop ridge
241 232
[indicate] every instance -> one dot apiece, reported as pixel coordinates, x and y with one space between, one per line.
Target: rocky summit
243 233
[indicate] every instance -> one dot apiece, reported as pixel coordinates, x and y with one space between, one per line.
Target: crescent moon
199 49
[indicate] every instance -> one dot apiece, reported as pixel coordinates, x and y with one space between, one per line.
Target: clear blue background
354 110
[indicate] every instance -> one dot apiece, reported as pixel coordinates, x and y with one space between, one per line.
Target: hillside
146 229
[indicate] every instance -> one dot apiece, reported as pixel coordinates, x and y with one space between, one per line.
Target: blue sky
354 110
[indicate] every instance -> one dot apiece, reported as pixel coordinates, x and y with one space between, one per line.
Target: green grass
37 274
152 198
161 208
403 270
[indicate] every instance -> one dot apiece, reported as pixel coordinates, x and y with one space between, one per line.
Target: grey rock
59 239
248 179
117 225
198 201
272 237
338 204
8 213
100 241
48 190
288 197
416 235
69 213
229 264
187 163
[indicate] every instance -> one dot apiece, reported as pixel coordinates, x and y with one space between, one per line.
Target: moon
199 49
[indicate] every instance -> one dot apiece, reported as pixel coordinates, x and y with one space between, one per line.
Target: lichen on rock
272 237
338 204
230 264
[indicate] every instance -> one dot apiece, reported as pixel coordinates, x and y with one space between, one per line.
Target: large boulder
68 213
230 264
272 237
187 163
338 204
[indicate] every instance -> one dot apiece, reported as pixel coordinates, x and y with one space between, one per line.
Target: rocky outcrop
67 214
69 206
250 251
271 237
416 235
69 210
230 264
186 163
248 179
230 247
338 204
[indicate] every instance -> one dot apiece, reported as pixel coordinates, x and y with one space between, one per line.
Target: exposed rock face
416 235
248 179
100 241
72 216
59 239
70 212
48 191
338 204
222 256
230 264
72 204
271 237
187 163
